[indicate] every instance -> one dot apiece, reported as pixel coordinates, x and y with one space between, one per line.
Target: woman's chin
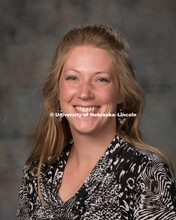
91 125
84 128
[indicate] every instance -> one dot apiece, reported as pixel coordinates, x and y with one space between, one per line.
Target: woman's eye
71 78
103 79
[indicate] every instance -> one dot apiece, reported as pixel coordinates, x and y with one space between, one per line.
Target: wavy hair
53 135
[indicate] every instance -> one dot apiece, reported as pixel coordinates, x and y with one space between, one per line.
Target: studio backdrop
29 33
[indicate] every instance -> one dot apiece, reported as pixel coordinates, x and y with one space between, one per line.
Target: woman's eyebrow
71 70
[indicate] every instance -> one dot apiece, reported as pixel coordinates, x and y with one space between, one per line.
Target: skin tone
87 84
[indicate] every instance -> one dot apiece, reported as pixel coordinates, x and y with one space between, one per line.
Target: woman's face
89 85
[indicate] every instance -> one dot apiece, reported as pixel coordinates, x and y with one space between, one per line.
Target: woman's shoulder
148 162
48 167
155 184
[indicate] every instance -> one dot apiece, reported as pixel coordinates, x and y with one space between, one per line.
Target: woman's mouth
86 109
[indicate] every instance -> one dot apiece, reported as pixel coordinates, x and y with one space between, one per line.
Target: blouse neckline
102 165
95 177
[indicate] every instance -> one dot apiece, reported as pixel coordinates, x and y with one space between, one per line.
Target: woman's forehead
88 56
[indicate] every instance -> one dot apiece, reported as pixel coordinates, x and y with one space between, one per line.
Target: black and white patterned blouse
126 183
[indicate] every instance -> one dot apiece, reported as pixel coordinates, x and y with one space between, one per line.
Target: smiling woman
88 84
91 167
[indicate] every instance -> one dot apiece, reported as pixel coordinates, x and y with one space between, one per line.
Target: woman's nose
86 91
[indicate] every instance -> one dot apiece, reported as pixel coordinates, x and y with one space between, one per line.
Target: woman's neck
88 149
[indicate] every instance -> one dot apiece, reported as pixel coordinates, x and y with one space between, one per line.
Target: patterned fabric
126 183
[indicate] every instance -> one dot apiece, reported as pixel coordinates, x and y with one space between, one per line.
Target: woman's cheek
67 93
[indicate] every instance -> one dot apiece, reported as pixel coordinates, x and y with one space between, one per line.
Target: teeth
86 109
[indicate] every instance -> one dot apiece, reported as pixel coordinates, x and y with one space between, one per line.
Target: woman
90 164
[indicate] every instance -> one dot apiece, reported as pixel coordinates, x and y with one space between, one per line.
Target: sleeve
23 210
156 193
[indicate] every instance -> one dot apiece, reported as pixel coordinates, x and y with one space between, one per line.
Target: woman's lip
86 109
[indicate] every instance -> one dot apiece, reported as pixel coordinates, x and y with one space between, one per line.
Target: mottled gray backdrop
29 33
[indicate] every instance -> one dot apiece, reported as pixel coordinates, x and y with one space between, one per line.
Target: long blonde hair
52 134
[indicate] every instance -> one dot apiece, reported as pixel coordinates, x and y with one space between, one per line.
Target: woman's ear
120 100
